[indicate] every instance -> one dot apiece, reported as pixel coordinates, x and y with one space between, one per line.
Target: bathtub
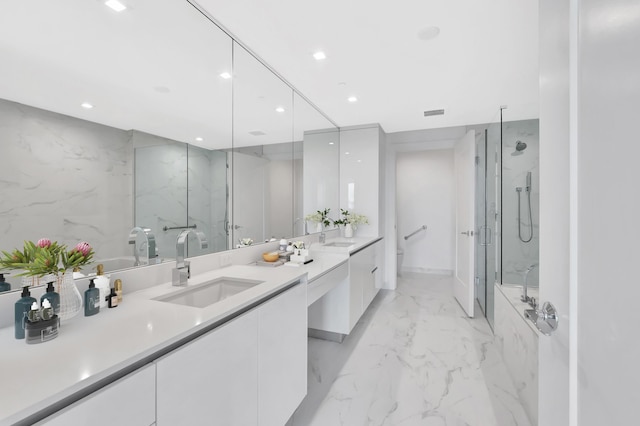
517 339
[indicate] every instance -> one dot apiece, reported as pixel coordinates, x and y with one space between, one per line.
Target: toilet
400 255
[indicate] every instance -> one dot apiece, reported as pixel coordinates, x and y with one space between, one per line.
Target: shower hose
528 190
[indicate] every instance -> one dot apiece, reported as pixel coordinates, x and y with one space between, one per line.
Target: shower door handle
486 236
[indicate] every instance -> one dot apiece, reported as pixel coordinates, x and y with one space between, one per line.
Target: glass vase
70 297
348 231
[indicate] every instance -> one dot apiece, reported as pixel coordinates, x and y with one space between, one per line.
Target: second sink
208 293
339 244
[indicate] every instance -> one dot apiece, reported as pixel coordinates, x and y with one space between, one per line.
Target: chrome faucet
525 298
182 271
149 244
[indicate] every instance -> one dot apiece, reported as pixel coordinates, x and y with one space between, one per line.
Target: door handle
545 319
467 233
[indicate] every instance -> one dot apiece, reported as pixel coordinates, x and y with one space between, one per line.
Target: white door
464 160
589 97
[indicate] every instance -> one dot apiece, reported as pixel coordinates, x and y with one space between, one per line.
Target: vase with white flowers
350 220
320 218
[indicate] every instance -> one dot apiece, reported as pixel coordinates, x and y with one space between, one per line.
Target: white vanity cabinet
339 310
129 401
369 263
251 370
282 356
213 379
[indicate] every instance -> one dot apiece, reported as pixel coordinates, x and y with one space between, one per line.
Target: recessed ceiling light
359 161
86 105
331 143
115 5
352 99
225 75
280 109
428 33
319 56
199 139
346 153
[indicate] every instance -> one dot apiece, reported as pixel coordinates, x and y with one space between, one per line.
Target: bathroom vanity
158 359
190 362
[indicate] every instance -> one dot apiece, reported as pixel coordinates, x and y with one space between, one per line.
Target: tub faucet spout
148 245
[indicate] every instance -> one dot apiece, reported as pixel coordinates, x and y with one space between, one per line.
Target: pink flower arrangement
44 243
46 257
82 247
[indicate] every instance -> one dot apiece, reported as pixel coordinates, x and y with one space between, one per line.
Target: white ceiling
151 67
486 55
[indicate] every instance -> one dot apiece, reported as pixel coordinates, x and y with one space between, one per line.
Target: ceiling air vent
434 112
257 133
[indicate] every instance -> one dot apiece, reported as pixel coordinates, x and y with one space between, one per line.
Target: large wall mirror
149 118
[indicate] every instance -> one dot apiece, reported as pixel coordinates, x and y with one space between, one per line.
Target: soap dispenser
22 308
91 299
4 286
53 297
103 284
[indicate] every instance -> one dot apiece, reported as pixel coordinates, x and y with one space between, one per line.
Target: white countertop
90 349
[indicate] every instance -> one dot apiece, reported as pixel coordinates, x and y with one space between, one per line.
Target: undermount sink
338 244
208 293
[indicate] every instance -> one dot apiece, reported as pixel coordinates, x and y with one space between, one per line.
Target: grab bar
423 227
166 228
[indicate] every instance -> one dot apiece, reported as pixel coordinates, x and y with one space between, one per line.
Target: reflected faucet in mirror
182 271
148 244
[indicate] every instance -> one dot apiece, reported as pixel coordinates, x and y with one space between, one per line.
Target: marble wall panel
517 255
65 179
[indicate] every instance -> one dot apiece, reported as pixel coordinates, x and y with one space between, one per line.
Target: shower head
520 146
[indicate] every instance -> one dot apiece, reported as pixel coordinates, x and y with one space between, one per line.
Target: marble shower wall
161 188
65 179
516 255
179 185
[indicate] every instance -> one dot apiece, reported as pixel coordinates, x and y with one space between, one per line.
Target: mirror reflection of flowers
46 257
350 218
319 217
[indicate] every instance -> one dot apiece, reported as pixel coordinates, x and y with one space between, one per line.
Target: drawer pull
374 269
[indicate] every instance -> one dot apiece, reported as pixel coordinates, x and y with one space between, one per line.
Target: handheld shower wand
527 189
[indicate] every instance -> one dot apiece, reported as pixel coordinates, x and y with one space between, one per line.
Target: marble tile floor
414 358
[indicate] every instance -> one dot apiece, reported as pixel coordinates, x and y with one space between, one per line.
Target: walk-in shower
507 205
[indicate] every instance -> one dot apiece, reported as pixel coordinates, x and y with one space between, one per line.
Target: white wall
607 208
554 209
425 196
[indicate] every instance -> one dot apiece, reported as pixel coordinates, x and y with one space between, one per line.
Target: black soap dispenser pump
53 297
4 286
22 308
